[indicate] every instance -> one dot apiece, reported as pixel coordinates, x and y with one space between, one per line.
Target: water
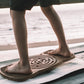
39 29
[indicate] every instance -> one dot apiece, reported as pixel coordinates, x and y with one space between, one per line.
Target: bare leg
19 25
54 20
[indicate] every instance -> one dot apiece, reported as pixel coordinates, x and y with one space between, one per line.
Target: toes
47 52
53 52
6 70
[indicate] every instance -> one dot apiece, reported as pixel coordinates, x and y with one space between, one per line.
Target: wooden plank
60 71
5 3
41 44
67 68
13 54
77 78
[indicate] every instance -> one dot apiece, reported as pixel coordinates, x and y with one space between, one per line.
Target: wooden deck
75 78
12 56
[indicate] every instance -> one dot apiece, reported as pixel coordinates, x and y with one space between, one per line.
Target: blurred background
39 29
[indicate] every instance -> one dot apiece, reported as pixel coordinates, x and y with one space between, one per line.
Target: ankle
24 63
64 48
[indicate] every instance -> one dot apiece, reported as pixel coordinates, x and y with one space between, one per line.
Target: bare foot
18 68
63 52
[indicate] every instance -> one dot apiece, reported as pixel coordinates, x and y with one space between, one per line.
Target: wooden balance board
46 68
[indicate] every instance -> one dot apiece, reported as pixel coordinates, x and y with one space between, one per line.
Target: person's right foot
59 51
18 68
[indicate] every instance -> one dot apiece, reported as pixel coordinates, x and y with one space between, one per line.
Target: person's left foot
18 68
